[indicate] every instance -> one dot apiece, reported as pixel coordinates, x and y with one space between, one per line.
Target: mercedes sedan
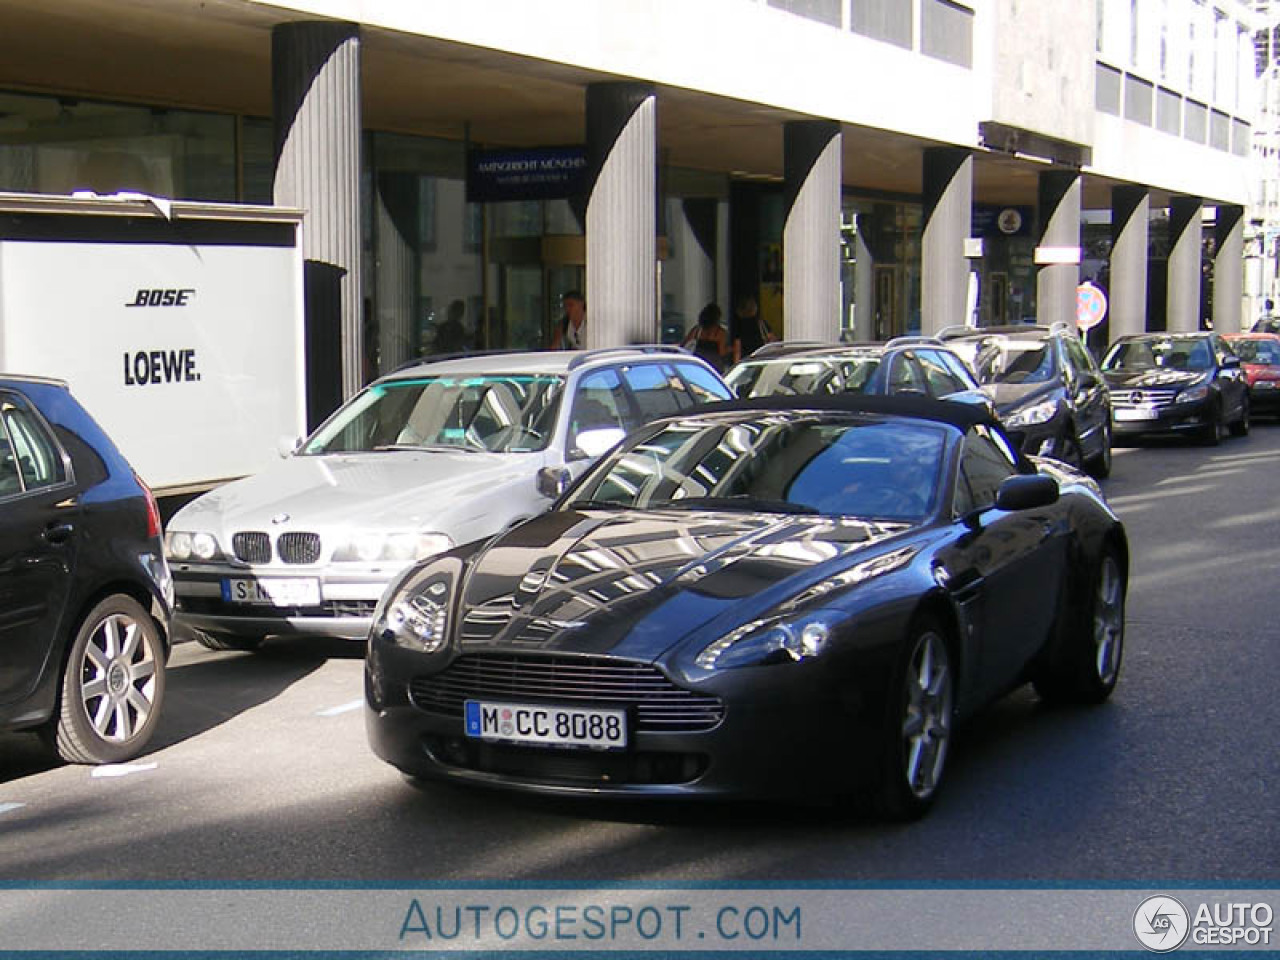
785 596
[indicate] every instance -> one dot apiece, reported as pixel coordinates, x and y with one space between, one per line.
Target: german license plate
1135 413
273 591
549 726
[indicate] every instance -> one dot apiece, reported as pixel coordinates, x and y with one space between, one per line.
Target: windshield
805 376
1257 351
866 469
1008 360
1173 353
509 413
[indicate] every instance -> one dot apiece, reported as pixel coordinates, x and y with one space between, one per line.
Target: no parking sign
1091 306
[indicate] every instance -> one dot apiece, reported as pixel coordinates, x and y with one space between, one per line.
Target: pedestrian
451 336
708 339
571 332
749 330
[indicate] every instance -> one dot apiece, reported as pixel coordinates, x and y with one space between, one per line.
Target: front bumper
1173 419
789 731
345 609
1040 439
1265 399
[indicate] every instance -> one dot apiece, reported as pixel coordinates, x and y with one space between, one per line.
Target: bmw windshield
866 469
508 413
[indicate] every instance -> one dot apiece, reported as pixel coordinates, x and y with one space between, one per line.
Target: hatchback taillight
153 509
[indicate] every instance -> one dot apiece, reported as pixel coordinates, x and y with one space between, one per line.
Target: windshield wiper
597 505
760 504
428 447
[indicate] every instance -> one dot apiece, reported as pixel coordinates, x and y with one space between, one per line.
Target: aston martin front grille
659 706
252 547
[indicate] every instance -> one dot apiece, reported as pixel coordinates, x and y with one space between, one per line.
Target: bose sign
189 354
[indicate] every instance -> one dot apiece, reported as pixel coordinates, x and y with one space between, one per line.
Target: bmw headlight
405 546
1041 412
416 612
1192 394
771 641
182 545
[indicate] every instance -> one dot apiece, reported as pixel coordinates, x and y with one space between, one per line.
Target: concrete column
864 294
1127 298
811 230
1228 269
1059 215
948 214
315 87
1185 243
622 304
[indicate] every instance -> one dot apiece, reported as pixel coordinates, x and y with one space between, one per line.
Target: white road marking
10 807
121 769
344 708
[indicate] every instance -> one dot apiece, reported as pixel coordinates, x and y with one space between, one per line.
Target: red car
1260 355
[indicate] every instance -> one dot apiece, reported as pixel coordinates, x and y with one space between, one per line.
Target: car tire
1211 433
1086 664
1241 427
225 641
1072 451
112 685
1099 466
918 724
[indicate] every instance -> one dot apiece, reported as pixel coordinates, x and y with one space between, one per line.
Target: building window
1196 122
946 31
1108 81
887 20
824 11
1220 131
1138 97
1168 112
1241 138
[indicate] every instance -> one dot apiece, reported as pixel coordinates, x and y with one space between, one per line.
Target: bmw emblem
280 518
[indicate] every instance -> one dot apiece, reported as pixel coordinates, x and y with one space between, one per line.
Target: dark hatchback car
782 597
914 366
1047 388
1167 384
85 593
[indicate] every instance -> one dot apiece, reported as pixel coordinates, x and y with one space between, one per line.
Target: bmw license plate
273 591
549 726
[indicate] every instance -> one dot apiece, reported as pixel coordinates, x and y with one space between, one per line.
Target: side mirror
287 445
597 441
1230 363
552 482
1025 492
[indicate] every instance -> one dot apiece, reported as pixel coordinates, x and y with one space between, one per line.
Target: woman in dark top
708 339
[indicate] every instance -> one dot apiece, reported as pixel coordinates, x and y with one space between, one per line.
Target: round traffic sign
1091 305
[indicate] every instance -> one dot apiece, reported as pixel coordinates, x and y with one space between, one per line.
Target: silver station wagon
432 456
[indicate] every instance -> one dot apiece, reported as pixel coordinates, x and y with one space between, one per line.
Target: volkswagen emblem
280 518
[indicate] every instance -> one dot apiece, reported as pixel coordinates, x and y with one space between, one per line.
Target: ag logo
1161 924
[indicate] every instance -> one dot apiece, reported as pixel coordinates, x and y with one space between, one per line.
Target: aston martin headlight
770 641
1192 394
182 545
406 546
416 614
1041 412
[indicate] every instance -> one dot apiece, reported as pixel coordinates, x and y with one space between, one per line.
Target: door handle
58 533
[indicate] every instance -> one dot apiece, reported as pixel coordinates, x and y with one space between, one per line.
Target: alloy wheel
1108 621
118 677
926 722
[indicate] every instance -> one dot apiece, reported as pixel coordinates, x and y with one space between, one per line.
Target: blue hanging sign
538 173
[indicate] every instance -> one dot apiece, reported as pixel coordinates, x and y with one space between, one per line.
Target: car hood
1150 379
637 583
1010 396
397 489
1261 371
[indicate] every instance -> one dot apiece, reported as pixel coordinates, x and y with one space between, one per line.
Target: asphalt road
262 772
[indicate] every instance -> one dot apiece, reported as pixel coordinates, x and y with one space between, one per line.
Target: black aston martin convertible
789 596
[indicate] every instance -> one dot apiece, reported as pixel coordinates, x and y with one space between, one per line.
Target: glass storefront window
61 145
880 269
426 294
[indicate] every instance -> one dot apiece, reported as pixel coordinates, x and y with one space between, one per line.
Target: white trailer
180 326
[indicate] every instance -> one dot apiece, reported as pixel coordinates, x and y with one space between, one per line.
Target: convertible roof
960 415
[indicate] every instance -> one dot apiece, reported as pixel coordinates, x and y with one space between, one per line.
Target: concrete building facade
860 168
